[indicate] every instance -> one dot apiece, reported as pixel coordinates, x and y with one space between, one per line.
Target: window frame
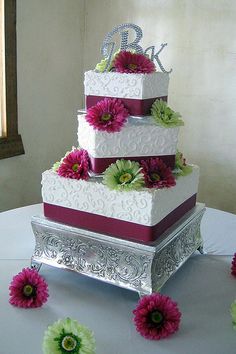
11 143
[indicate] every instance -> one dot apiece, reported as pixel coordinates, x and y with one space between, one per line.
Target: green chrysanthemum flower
233 313
56 166
164 115
181 168
68 336
124 175
100 67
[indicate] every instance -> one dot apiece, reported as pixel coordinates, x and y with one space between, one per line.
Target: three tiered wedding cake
127 178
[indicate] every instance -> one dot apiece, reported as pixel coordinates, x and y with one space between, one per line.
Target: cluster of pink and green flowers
125 175
110 115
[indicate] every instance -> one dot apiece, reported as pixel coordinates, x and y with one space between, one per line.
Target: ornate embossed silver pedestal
131 265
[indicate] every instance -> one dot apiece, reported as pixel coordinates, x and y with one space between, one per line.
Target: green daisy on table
233 313
124 175
164 115
181 168
68 336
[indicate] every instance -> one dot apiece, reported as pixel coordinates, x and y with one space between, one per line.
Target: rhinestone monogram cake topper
108 45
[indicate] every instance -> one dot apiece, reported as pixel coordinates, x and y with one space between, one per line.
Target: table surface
203 289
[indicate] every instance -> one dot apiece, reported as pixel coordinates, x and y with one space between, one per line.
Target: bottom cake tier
142 215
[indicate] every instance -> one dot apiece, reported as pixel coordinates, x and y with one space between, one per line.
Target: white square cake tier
120 85
142 215
138 139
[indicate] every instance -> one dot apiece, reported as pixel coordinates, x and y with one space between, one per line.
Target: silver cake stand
131 265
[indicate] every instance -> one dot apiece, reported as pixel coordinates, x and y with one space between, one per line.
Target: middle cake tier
140 138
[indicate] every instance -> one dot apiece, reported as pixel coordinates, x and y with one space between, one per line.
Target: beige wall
52 58
50 51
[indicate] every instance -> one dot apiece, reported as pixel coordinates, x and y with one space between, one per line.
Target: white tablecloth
203 288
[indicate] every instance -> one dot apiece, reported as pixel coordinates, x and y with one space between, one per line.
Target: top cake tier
137 91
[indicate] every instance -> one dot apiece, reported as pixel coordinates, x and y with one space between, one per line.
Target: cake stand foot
35 265
201 250
142 293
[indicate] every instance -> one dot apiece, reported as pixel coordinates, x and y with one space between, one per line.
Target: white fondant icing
139 137
136 86
145 207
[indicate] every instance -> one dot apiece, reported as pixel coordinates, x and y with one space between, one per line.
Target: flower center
157 317
155 177
106 117
69 343
125 178
28 290
75 167
132 66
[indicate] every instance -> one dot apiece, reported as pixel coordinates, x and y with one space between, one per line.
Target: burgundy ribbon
115 227
99 165
136 107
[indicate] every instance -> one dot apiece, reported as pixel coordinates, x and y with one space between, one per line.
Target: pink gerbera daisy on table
75 165
233 266
157 174
156 316
108 115
28 289
128 62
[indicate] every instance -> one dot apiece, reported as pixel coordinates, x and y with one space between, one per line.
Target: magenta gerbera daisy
128 62
108 115
28 289
75 165
157 174
156 316
233 266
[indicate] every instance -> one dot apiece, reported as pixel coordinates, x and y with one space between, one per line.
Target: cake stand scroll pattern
169 259
97 259
128 264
